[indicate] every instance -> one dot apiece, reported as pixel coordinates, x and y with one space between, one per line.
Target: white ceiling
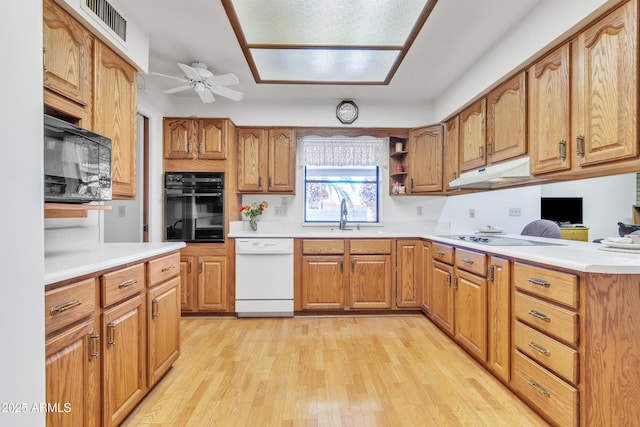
456 34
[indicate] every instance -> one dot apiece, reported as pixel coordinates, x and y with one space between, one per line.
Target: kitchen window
337 169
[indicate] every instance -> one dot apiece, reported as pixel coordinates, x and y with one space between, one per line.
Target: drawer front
471 261
162 269
371 246
549 318
559 358
68 304
554 397
121 284
554 285
323 246
442 253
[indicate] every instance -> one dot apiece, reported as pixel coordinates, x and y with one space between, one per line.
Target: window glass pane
326 187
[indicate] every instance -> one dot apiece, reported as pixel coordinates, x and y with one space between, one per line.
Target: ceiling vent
110 16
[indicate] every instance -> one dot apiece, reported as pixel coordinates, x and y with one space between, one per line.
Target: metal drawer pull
154 308
111 332
64 307
127 283
467 260
537 347
491 272
541 316
167 268
441 253
449 279
537 387
94 345
539 282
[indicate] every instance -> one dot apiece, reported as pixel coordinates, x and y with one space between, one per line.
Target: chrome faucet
343 214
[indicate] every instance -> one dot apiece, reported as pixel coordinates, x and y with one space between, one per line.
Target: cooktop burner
499 240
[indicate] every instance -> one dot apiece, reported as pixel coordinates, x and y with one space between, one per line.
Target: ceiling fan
204 83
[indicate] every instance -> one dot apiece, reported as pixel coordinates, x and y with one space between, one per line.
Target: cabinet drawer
473 262
442 253
371 246
162 269
554 397
546 317
323 246
545 350
68 304
121 284
554 285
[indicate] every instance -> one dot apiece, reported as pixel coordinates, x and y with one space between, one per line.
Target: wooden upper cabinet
549 112
115 109
605 88
473 136
425 159
67 55
507 120
451 163
187 138
266 160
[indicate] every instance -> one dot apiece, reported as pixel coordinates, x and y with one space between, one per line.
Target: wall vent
110 16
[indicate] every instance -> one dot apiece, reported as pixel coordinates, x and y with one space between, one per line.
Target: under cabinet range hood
500 175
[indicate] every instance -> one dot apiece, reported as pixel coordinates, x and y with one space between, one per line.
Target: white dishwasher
264 277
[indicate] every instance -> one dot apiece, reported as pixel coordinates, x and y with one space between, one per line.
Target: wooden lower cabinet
213 292
206 279
426 282
499 317
370 281
409 261
470 312
323 282
163 308
124 352
442 302
73 376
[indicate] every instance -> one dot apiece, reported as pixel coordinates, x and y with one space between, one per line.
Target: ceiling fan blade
223 80
170 77
227 93
178 89
189 72
204 93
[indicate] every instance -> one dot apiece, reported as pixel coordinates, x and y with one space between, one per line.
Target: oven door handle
206 194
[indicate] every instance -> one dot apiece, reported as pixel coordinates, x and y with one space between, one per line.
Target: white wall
21 169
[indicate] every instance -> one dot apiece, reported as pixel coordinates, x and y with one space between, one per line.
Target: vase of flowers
252 211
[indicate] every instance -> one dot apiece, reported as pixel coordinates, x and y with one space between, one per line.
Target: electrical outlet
280 211
419 210
472 213
515 212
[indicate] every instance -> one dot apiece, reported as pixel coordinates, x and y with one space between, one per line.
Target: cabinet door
282 161
213 294
470 308
507 120
370 281
605 97
211 139
425 159
73 376
115 109
163 308
442 303
409 273
549 113
125 358
187 283
499 317
178 134
427 282
252 166
323 282
68 50
473 136
451 163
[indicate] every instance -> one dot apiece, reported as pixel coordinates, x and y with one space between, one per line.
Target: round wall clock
347 112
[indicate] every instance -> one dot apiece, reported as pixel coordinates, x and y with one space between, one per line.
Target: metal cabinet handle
580 146
455 175
441 253
44 59
167 268
154 308
539 315
412 184
537 387
481 151
562 150
353 266
270 182
449 280
189 267
341 266
94 345
201 148
455 283
259 182
200 267
491 272
539 282
61 308
127 283
111 333
467 260
489 149
540 349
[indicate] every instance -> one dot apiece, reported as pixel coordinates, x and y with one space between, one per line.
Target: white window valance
342 151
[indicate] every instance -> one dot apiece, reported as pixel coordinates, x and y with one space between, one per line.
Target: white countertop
67 263
574 255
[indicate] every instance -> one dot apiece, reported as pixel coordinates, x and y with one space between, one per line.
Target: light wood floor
326 371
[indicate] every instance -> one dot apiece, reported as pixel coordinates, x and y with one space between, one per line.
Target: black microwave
77 163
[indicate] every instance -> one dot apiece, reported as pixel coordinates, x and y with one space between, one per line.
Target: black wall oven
194 206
